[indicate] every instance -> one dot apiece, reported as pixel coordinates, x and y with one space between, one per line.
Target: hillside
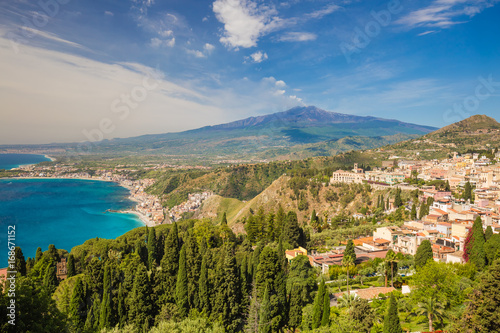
478 132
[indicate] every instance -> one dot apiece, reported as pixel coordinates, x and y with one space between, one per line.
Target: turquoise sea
64 212
10 161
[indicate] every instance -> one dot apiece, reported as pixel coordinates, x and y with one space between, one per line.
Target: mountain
298 133
478 132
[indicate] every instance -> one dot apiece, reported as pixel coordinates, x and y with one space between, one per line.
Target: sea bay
63 212
11 161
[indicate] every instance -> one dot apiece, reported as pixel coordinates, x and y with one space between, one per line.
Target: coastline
143 218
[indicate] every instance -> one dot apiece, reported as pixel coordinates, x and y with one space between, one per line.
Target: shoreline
143 218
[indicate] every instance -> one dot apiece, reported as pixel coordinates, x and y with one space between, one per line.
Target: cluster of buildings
191 205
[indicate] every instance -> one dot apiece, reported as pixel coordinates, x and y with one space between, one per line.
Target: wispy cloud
207 50
157 42
445 13
297 37
108 13
317 14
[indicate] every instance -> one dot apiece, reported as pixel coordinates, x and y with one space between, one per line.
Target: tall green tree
52 253
432 309
193 268
325 319
140 307
224 219
424 253
291 231
481 314
413 213
105 316
349 250
295 311
71 269
391 321
265 313
169 266
181 290
467 193
50 278
391 258
474 245
204 288
20 263
153 250
397 199
77 306
488 233
318 305
38 255
362 314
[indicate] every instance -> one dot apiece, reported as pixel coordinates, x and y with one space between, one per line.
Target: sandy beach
141 216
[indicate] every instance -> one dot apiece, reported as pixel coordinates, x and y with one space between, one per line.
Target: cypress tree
38 255
270 227
397 198
391 321
295 312
224 219
387 205
481 314
121 308
318 305
413 212
169 266
20 263
265 315
291 230
204 288
106 305
50 277
255 260
193 267
227 306
152 249
92 322
77 306
325 319
52 253
140 303
424 253
181 289
71 266
253 318
280 222
422 211
252 229
142 251
474 245
349 250
488 233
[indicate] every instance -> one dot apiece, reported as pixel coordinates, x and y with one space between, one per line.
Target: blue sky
85 70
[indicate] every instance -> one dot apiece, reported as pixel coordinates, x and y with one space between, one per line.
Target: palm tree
346 300
391 258
382 270
347 261
432 309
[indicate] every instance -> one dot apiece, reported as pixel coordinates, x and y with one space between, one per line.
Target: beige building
355 176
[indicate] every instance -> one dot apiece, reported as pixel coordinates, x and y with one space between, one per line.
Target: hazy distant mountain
297 133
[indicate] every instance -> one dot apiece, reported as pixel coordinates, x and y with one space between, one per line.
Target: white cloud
245 21
297 37
157 43
108 13
323 12
165 33
257 57
196 53
445 13
209 48
280 83
426 33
